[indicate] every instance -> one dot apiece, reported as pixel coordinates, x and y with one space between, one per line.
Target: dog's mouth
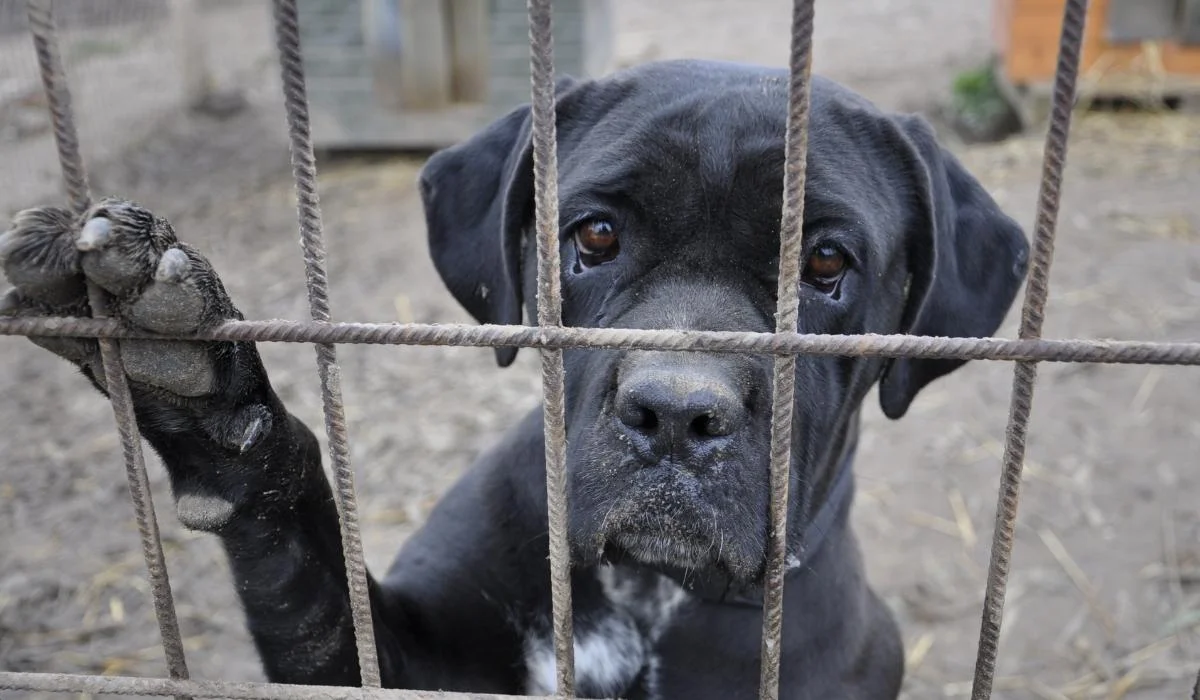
661 548
669 523
695 563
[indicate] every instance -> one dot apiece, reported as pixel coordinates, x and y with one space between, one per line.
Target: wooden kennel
422 74
1131 48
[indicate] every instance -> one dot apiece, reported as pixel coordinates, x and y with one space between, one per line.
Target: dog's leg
240 466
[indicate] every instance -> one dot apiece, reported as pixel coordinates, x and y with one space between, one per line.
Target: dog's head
671 191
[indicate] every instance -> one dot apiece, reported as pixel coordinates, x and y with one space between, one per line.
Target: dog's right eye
596 242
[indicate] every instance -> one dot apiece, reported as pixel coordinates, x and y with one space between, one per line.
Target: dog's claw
254 431
172 266
95 235
8 241
10 302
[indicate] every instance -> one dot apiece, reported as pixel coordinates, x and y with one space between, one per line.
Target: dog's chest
615 646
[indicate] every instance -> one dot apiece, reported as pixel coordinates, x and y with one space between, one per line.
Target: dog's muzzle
672 470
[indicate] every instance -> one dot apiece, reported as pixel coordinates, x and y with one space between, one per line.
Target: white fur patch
608 656
654 608
611 653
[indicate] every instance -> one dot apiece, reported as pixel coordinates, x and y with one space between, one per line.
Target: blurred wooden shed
423 74
1131 48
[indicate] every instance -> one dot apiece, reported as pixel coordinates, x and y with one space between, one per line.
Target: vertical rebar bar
791 231
308 208
66 138
549 302
1032 317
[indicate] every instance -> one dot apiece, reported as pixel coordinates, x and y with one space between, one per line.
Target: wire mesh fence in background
549 335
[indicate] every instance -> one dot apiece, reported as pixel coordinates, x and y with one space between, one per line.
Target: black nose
679 407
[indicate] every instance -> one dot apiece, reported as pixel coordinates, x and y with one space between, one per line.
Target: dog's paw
156 283
200 403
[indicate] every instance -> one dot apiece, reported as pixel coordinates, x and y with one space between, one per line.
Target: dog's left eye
597 242
825 267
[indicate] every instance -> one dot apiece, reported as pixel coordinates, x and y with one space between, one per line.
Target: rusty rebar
66 138
791 232
549 305
308 209
58 102
1037 291
1073 350
126 685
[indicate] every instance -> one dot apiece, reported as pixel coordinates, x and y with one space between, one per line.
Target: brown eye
825 267
597 243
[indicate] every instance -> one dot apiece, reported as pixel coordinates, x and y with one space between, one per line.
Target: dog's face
670 200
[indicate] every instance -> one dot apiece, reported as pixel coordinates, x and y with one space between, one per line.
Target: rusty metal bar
865 345
304 171
126 685
58 98
791 232
549 301
1037 291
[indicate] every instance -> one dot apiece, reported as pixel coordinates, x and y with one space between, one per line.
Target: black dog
671 186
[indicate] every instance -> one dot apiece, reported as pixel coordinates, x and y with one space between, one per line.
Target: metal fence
784 344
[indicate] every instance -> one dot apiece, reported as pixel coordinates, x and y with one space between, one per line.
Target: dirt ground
1104 599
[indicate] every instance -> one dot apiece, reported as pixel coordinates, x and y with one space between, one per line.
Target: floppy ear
967 259
477 196
465 190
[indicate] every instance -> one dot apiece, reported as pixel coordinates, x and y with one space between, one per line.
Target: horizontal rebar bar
865 345
127 685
